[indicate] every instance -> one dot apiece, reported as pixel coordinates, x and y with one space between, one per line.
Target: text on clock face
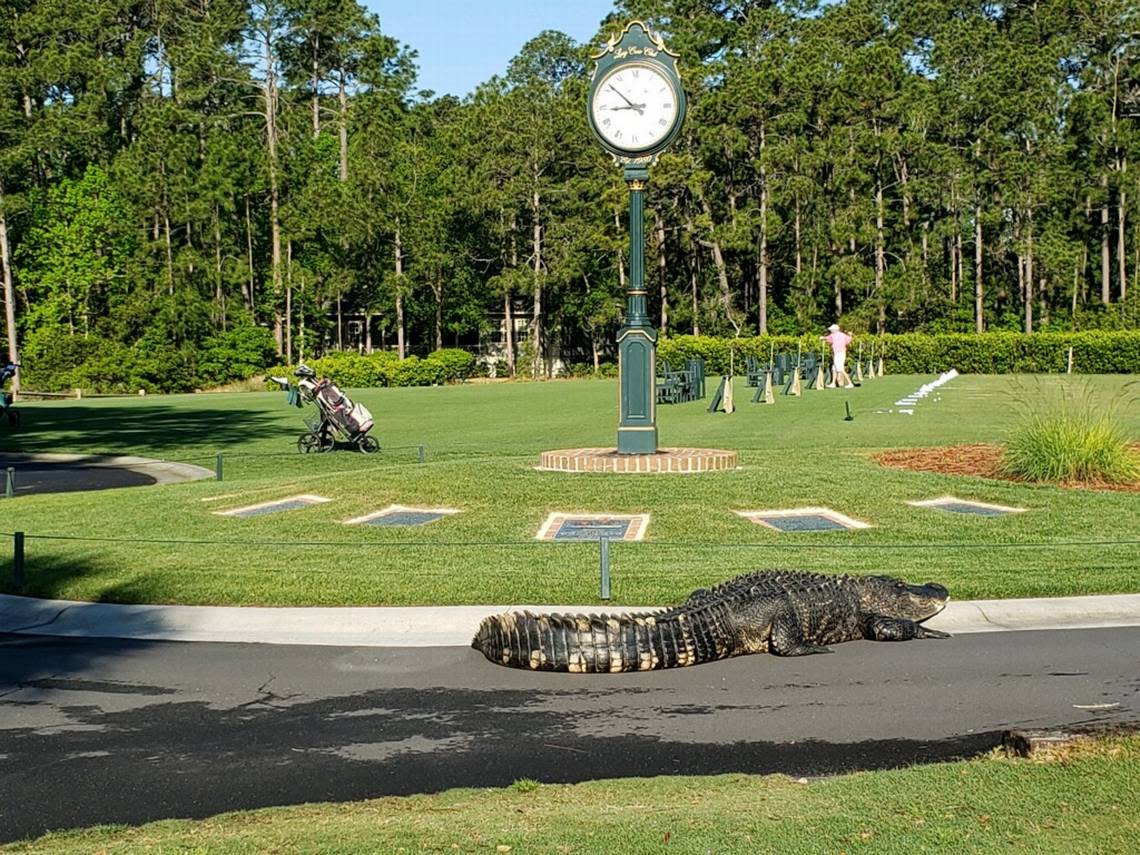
634 107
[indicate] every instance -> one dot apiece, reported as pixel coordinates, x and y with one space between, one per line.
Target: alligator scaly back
593 644
785 612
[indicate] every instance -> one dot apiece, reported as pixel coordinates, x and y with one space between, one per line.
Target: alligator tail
594 644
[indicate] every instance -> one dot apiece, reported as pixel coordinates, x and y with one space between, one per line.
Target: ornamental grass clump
1068 439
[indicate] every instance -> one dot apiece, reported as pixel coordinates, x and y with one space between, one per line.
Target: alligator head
884 595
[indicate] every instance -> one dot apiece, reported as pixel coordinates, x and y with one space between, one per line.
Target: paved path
68 473
95 730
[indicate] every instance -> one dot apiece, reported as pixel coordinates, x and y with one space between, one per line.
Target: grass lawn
1084 801
482 443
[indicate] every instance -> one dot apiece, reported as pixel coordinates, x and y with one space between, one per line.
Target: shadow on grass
140 428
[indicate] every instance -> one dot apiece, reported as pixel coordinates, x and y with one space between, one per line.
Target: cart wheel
307 443
368 445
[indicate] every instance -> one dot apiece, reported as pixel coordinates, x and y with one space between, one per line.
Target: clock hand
632 106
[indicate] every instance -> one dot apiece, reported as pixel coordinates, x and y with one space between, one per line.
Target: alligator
787 613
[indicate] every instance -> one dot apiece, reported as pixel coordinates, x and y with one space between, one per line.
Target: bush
450 364
1069 440
1094 352
236 354
383 368
55 362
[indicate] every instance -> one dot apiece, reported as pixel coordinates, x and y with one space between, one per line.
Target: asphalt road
96 731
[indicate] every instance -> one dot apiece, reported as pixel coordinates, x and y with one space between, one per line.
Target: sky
462 43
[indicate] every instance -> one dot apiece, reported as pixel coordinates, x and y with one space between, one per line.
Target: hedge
1094 352
383 368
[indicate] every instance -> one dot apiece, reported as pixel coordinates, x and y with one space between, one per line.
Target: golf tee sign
636 106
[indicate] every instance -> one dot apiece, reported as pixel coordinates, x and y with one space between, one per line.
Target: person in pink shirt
838 340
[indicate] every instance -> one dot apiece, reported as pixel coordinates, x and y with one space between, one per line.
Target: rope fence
20 541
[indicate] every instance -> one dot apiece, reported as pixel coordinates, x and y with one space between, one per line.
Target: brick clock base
664 460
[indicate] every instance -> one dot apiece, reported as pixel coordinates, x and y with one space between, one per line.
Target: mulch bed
980 461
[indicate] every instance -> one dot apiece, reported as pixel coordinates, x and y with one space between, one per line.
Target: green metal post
422 453
10 483
18 558
218 466
637 339
604 565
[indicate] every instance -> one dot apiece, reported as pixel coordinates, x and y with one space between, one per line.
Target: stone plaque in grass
399 515
952 505
803 519
577 527
291 503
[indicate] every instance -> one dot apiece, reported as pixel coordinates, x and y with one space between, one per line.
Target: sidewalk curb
446 626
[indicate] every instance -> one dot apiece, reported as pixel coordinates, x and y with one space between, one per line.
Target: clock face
634 106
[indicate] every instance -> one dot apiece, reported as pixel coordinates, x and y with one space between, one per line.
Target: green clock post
636 106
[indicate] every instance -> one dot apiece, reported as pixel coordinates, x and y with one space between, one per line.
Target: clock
635 103
634 107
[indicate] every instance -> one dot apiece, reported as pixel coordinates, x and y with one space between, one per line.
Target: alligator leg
787 638
882 628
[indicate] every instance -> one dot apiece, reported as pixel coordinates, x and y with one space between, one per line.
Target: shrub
235 354
51 356
1070 439
450 364
1094 352
383 368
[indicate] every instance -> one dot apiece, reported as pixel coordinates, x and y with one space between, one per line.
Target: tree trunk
954 266
219 290
694 287
339 325
9 294
1105 255
762 255
288 301
1029 277
960 261
342 122
979 308
400 345
509 321
315 82
1121 251
721 270
437 294
1076 285
367 332
508 313
880 258
536 317
799 246
620 254
925 248
662 265
247 293
169 255
301 325
269 97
